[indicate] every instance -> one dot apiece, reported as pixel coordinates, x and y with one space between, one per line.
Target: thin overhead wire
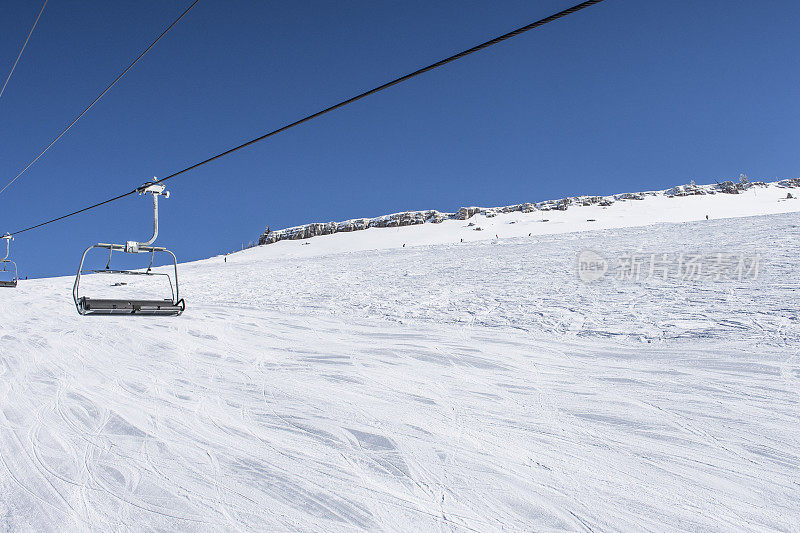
396 81
121 196
343 103
65 130
14 66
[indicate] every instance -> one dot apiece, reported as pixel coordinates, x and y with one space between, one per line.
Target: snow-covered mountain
469 380
723 208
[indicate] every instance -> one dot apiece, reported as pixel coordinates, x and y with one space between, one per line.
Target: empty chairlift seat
8 268
131 306
173 305
89 306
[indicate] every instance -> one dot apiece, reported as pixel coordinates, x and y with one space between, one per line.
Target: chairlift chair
8 270
173 306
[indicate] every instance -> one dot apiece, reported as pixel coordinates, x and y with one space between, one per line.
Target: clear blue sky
627 95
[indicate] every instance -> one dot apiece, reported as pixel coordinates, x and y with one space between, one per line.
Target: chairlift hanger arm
8 238
155 189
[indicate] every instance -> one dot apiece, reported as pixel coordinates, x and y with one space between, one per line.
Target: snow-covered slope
652 208
678 204
352 383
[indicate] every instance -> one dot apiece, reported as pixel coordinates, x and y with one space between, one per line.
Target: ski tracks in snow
462 388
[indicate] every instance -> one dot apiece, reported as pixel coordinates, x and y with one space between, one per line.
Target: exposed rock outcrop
408 218
411 218
790 183
688 190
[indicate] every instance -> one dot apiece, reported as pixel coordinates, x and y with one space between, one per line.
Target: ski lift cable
86 110
14 66
396 81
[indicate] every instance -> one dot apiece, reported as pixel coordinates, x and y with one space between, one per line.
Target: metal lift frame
104 306
10 284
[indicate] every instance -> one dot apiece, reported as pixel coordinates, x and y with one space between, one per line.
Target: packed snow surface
348 382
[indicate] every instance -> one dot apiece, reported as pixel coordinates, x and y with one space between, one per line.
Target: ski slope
350 383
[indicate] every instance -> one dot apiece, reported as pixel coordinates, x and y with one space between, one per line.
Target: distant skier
706 217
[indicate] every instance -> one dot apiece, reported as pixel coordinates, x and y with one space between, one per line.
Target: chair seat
91 306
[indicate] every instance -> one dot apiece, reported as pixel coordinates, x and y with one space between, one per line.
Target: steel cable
65 130
401 79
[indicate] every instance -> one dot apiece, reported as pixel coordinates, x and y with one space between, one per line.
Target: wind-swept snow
473 386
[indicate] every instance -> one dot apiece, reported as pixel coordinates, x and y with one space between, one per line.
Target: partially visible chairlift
8 271
102 306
